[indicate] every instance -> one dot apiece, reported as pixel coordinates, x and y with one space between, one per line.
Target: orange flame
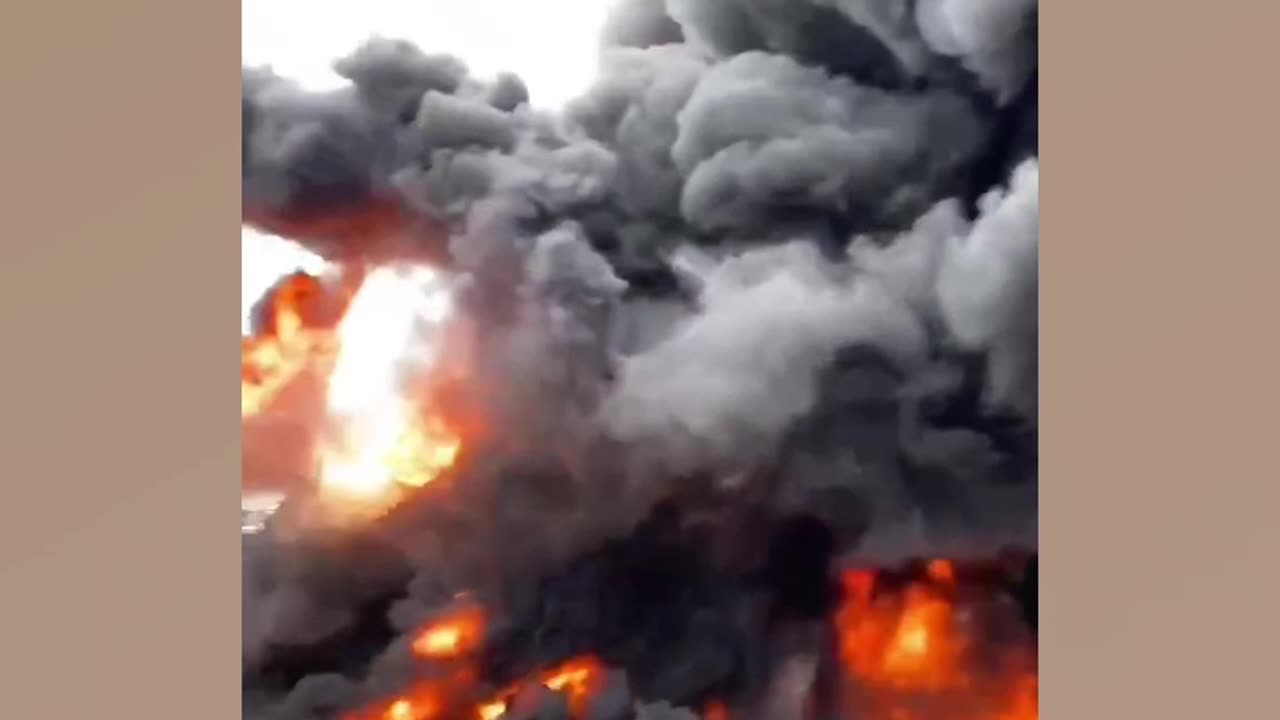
906 642
913 642
941 571
424 702
451 636
293 338
381 439
404 709
1025 701
577 679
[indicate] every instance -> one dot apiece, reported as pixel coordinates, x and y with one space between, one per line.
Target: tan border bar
118 292
1159 480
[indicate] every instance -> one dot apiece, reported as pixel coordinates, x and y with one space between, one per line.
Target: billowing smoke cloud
640 24
784 252
723 387
761 134
988 288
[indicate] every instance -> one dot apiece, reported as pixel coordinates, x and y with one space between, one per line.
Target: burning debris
651 408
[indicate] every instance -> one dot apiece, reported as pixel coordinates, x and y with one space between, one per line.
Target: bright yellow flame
379 441
912 642
400 710
373 454
456 633
441 641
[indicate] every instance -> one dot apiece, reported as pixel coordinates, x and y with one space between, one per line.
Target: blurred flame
369 339
913 641
405 710
901 644
941 571
1025 702
451 636
294 338
372 455
904 642
421 703
716 710
577 679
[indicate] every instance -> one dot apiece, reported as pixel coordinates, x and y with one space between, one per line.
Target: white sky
550 44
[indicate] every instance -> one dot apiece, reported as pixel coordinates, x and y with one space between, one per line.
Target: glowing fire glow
406 710
913 642
904 642
907 648
293 339
378 440
577 679
451 636
1025 701
374 338
716 710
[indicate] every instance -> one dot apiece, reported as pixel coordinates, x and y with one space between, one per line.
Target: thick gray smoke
784 248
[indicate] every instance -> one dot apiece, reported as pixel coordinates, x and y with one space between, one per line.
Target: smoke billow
779 260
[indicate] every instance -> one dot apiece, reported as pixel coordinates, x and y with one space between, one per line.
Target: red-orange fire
455 699
905 645
374 438
297 334
452 636
576 679
372 434
910 653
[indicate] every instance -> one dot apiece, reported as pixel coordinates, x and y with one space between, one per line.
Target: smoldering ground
780 260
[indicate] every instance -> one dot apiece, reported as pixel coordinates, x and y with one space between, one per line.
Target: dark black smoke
773 273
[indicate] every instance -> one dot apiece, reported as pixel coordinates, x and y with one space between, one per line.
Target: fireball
377 439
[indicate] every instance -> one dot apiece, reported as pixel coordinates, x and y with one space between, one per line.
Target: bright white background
550 44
